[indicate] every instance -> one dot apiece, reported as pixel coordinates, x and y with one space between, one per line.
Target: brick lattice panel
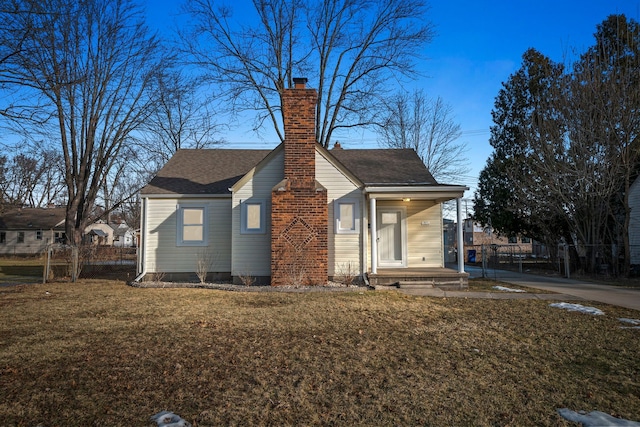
299 247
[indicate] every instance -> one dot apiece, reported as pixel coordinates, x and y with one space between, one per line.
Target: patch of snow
169 419
595 419
578 307
505 289
634 322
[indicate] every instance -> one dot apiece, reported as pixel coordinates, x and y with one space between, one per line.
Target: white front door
391 237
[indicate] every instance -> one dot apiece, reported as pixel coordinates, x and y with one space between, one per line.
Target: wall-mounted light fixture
406 199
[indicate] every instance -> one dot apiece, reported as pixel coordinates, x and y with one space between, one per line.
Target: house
123 236
28 231
99 233
297 214
476 236
102 233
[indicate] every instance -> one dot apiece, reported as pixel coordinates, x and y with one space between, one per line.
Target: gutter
142 265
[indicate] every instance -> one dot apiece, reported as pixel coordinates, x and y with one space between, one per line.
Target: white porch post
460 236
374 236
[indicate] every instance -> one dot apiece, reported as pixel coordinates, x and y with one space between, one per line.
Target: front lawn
100 353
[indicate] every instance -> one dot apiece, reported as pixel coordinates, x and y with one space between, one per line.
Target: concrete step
415 284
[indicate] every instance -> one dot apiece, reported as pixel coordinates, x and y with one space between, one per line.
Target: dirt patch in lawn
105 354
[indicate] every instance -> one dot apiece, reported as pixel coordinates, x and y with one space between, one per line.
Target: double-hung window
192 225
347 216
252 217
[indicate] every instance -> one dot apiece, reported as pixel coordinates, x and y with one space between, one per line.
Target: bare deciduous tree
426 125
349 49
31 178
13 35
183 118
88 65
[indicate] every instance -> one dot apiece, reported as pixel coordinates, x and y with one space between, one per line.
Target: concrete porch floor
417 278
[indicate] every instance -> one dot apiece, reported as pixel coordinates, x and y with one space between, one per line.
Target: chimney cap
300 82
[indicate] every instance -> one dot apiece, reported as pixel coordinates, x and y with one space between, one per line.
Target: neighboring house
28 231
297 214
99 233
103 234
123 236
475 236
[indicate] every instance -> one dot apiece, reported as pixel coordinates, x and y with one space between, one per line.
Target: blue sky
478 45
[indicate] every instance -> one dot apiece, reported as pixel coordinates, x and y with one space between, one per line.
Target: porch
407 278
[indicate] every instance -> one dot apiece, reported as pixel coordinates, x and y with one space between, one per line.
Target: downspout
374 235
142 265
363 230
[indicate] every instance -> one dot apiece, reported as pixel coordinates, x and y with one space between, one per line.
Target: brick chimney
299 211
299 107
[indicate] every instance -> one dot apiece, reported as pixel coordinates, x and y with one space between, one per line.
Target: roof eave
438 193
185 196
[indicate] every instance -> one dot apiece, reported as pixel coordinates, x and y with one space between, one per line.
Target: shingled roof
385 166
32 218
205 171
214 171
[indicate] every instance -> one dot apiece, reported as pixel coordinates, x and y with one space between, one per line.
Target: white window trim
179 222
356 216
244 217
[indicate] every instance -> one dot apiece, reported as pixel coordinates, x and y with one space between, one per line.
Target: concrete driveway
614 295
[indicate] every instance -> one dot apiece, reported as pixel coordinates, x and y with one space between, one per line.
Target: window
525 240
3 237
347 217
38 234
20 237
252 217
192 225
513 240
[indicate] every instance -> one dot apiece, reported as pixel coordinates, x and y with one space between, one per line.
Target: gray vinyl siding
252 252
345 250
162 254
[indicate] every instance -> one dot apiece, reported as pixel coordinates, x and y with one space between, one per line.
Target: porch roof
438 193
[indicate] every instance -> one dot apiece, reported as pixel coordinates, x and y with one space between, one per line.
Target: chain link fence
565 260
509 257
67 263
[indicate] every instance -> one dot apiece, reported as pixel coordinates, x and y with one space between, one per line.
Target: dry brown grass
104 354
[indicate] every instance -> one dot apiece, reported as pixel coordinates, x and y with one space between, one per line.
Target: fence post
520 255
484 261
566 261
47 265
